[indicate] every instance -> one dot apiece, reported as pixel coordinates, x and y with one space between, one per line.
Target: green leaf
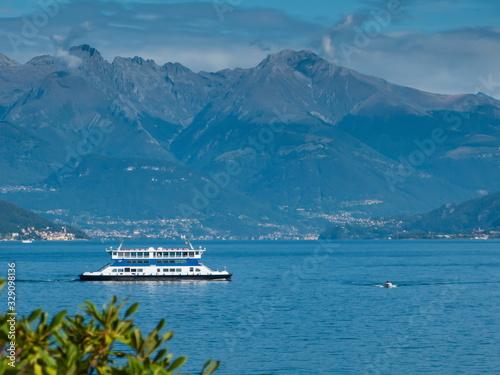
210 367
160 355
167 336
137 339
160 325
34 315
177 363
58 319
51 362
135 366
132 309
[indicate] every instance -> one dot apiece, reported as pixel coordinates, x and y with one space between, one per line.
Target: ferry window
158 270
197 252
114 270
158 255
133 254
114 253
139 261
159 261
182 261
127 255
184 254
140 270
172 261
127 269
133 270
177 254
120 269
172 269
190 269
129 261
178 270
165 270
139 255
146 261
191 254
172 254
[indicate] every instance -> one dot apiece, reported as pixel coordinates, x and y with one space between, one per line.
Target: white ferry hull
84 277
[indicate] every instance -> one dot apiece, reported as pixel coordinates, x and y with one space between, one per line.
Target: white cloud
326 44
445 62
71 61
148 17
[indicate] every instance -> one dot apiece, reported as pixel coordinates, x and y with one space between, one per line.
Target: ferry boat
155 264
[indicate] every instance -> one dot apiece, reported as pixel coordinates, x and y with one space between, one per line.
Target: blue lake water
298 307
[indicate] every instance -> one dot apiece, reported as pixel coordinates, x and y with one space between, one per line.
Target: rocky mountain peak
4 60
42 60
85 52
293 58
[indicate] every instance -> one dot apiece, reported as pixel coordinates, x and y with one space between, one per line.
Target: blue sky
446 46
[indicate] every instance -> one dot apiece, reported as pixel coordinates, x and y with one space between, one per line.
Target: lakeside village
46 234
37 235
179 229
109 229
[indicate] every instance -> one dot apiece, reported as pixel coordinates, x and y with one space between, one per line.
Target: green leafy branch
88 344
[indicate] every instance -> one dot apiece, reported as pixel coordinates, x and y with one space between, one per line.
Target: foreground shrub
87 344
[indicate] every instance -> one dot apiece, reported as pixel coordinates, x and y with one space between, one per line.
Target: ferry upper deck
158 253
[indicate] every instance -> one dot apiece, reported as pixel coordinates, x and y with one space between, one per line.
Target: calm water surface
297 308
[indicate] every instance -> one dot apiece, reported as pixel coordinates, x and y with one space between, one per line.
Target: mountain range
284 148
